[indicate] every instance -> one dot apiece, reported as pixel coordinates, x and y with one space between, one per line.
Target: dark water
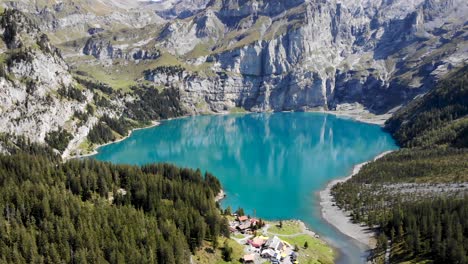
272 165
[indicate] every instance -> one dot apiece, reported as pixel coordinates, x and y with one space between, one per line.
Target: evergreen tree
227 251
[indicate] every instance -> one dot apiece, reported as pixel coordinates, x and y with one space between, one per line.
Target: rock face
30 81
59 14
258 55
38 94
171 9
275 55
297 55
105 51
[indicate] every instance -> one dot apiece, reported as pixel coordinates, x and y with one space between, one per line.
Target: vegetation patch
218 255
432 119
153 104
101 134
417 197
72 93
88 211
59 139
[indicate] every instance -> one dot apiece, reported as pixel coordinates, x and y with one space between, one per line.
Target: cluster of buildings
270 248
273 249
243 224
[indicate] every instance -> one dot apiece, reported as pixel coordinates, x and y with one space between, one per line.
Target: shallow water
272 165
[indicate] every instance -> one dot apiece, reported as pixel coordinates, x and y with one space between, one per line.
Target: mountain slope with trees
44 101
85 211
417 197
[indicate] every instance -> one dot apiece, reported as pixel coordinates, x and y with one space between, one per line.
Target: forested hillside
417 197
85 211
438 118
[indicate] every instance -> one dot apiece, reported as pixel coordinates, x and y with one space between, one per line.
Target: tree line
421 225
86 211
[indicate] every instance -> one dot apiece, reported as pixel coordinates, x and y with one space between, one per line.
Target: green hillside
438 118
84 211
417 197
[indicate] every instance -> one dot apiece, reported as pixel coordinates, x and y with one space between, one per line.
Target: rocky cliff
40 99
219 55
293 55
297 55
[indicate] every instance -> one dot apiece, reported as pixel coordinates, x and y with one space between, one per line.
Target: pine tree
227 211
227 251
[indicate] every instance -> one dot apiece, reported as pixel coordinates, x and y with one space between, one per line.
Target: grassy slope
121 75
291 232
206 255
317 250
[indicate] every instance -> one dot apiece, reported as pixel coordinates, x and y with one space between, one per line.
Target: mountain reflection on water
271 164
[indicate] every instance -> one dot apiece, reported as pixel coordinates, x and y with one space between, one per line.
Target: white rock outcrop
321 53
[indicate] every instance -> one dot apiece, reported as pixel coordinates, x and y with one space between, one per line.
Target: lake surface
270 164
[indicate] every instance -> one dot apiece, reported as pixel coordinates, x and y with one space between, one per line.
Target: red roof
242 218
257 242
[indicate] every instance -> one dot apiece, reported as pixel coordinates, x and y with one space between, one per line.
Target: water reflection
258 156
268 163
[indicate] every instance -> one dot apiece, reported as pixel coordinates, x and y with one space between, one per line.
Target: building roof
242 218
249 257
274 243
257 242
270 252
244 226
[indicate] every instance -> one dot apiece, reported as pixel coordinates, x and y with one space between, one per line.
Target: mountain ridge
256 56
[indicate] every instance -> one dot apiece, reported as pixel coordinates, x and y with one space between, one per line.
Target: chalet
254 221
257 242
244 226
249 258
242 218
268 253
274 243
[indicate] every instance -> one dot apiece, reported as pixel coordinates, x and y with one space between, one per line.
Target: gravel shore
341 219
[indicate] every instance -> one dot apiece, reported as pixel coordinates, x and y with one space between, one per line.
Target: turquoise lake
270 164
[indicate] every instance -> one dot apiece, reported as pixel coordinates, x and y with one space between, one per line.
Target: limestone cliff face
275 55
78 16
38 94
106 52
304 54
271 55
259 55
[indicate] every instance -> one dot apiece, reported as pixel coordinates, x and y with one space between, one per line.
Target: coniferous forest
416 197
85 211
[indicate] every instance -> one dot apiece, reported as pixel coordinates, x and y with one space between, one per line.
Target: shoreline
340 219
95 148
375 120
360 115
220 196
357 115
